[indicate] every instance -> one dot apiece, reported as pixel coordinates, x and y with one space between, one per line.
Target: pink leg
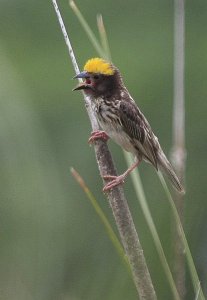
115 180
98 134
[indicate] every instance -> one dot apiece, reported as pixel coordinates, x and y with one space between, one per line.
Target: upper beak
81 85
83 74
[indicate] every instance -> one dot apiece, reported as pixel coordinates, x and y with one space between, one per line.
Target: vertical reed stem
178 150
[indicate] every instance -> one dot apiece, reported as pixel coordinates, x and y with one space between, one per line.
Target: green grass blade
103 36
103 218
87 29
198 292
191 265
148 217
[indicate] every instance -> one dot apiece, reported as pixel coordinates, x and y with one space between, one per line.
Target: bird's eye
96 77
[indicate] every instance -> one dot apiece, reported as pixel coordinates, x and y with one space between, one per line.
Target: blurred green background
52 244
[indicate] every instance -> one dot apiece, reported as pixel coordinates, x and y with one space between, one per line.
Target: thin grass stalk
117 200
149 220
103 37
198 292
178 148
193 273
115 241
87 29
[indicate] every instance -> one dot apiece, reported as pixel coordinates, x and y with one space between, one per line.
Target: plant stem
148 217
103 218
88 30
103 36
193 273
117 199
178 149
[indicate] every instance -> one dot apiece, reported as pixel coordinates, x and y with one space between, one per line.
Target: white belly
118 136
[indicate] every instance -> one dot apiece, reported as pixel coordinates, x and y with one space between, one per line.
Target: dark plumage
121 119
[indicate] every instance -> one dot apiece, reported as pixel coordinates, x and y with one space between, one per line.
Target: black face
96 84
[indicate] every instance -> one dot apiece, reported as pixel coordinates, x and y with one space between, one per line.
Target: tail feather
166 168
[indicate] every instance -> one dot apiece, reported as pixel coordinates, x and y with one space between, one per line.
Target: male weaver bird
121 120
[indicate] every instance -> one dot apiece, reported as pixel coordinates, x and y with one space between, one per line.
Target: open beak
82 85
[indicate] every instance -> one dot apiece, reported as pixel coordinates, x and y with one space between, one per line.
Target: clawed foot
114 181
99 134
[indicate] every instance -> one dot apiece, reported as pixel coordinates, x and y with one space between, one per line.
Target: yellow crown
98 65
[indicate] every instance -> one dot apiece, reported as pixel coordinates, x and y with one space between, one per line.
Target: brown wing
137 127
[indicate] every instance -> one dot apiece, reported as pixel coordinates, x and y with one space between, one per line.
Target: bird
121 120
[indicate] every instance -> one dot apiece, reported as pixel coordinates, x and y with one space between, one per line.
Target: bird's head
100 78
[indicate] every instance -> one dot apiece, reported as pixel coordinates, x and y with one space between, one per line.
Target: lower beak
80 86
